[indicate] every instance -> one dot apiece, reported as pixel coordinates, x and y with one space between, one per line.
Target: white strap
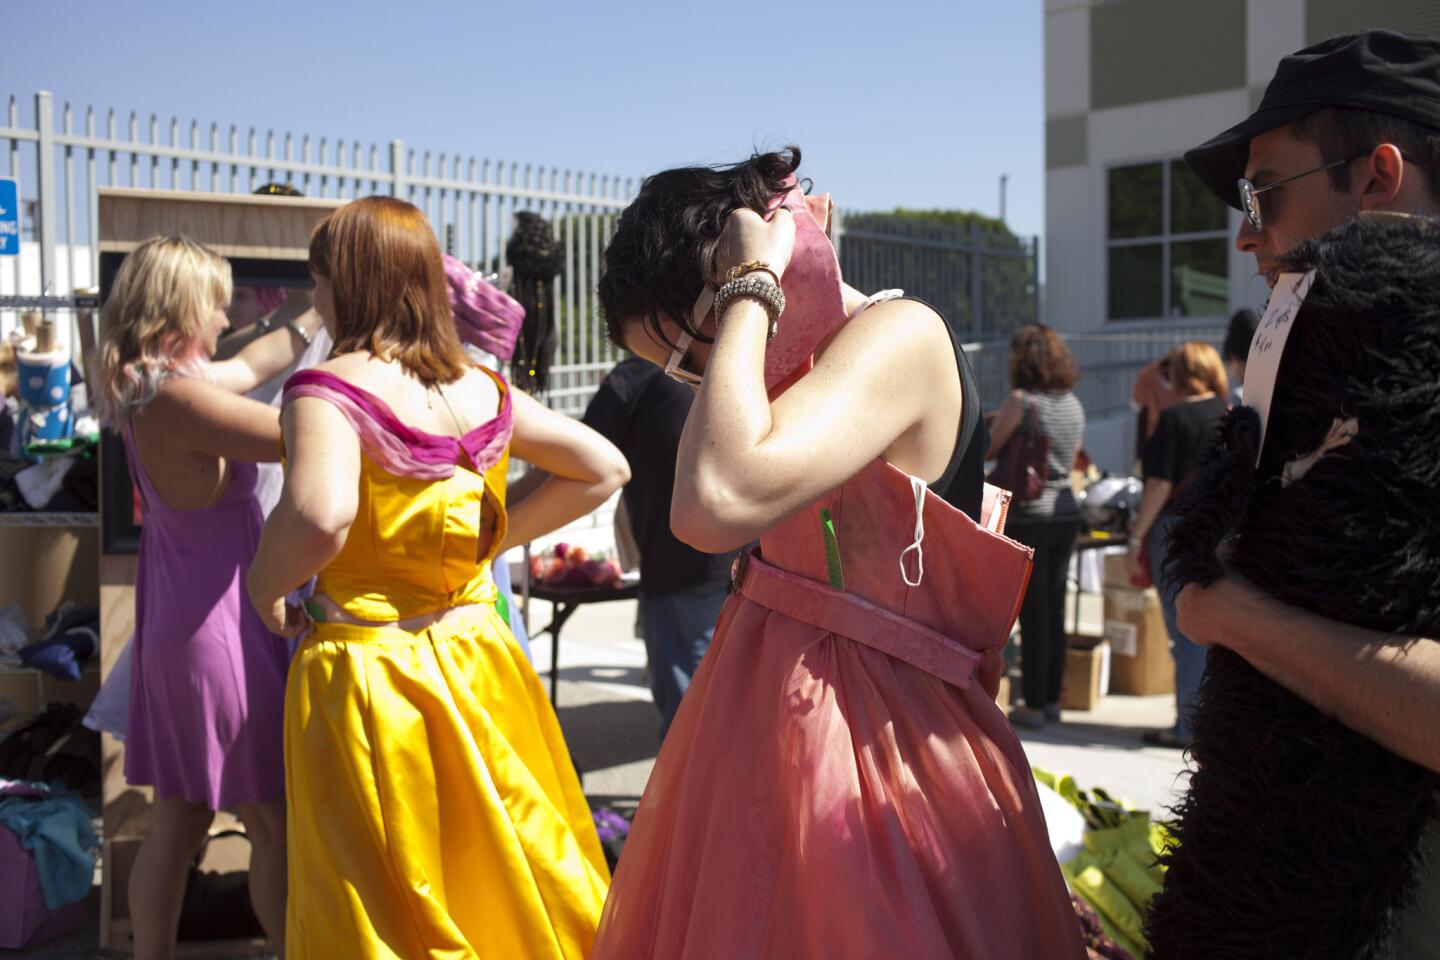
918 486
877 298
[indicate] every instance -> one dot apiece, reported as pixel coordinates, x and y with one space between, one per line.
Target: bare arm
317 506
518 491
583 469
297 302
1152 501
265 356
745 463
1386 691
199 416
1007 421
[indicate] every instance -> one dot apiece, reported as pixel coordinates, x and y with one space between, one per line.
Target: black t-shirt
1180 438
642 412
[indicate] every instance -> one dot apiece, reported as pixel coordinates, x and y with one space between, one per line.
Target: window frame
1165 239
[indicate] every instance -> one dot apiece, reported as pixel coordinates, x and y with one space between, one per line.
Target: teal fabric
58 833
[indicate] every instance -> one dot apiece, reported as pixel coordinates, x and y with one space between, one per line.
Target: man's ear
1381 175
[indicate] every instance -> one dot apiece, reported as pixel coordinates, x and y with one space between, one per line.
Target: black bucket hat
1397 74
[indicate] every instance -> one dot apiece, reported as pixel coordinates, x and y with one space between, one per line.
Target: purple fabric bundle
484 315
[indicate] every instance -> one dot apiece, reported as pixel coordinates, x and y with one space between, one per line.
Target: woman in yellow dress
433 810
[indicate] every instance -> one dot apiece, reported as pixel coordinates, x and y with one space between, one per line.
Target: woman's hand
748 236
1133 566
286 619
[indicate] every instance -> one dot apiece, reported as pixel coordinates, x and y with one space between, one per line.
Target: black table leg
563 612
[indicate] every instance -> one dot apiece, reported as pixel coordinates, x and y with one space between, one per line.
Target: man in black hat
1348 126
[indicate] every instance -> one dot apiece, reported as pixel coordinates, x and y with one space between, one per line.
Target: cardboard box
1135 630
1002 694
1086 671
1117 571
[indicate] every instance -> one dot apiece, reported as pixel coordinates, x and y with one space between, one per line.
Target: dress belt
855 618
322 609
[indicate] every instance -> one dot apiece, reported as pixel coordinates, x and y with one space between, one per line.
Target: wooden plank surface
233 225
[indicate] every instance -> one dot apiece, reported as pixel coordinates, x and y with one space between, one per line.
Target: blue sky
902 103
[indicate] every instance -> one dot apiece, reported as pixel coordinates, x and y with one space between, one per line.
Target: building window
1168 244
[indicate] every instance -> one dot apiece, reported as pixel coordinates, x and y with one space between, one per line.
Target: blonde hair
163 293
1194 368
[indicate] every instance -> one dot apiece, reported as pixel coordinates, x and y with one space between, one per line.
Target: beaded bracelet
300 332
770 296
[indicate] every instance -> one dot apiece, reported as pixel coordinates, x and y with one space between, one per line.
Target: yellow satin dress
433 807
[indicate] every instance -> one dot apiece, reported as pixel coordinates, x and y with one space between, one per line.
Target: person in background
1346 127
488 322
1150 394
1182 434
433 808
1042 373
208 683
1236 349
643 412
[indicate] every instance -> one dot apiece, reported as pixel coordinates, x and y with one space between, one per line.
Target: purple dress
208 690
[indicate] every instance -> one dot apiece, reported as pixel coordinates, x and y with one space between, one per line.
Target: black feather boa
1298 837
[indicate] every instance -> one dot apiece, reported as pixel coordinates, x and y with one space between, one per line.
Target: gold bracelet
751 266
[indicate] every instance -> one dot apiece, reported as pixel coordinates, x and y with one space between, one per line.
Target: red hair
391 298
1195 368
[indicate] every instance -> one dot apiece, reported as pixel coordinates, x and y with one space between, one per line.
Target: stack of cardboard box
1135 630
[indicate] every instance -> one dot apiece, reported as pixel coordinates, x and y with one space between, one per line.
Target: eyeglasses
1250 194
673 367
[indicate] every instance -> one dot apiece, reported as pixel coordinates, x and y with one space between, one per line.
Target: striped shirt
1061 418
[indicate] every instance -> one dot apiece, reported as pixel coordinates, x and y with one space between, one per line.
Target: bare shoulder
900 335
184 396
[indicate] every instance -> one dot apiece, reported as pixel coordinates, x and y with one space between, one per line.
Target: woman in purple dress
208 688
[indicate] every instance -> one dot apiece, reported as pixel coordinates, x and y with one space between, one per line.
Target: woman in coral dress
839 781
433 808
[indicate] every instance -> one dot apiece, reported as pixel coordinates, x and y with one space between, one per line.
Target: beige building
1133 242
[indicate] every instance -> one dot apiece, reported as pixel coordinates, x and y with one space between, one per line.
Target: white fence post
45 189
398 182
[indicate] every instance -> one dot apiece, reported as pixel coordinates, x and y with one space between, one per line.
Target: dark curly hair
664 244
1039 360
1299 837
537 258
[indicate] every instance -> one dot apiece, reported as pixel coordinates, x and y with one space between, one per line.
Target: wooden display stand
259 228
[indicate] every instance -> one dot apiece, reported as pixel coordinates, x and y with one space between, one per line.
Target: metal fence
984 283
470 202
1108 363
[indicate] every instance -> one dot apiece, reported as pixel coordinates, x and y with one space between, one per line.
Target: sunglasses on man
1250 194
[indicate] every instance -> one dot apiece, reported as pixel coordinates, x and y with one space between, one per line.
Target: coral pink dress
839 781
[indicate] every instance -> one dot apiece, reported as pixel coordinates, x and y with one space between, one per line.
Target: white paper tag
1124 638
1268 345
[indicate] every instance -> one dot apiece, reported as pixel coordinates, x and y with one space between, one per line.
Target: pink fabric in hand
484 314
814 305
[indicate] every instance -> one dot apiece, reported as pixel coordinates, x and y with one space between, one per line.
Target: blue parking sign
9 217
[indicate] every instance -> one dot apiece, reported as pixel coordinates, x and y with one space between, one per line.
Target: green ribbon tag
832 550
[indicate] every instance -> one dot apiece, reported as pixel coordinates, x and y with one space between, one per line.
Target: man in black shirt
643 412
